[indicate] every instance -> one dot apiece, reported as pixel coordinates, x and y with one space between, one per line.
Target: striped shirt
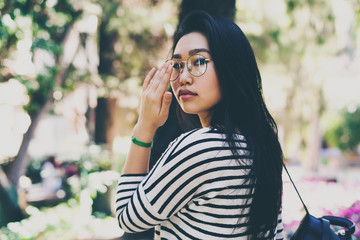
197 190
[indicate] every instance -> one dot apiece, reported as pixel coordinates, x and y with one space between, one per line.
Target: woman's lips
185 94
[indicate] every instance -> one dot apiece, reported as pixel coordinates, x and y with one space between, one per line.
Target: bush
352 213
69 220
89 180
345 133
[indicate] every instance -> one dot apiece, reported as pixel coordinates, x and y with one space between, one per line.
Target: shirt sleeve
144 201
132 209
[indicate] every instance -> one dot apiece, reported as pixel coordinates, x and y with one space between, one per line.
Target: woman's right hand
155 102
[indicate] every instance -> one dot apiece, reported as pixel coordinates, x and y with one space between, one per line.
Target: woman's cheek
174 85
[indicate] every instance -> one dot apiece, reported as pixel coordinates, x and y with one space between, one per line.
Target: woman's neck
205 119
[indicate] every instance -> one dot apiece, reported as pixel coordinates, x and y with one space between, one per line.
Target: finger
163 85
148 78
165 106
154 77
158 77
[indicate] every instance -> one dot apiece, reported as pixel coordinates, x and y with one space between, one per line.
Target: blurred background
70 79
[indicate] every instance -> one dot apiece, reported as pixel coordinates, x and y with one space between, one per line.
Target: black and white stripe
197 190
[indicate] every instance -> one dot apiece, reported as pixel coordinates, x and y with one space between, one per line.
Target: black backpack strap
325 229
287 172
342 222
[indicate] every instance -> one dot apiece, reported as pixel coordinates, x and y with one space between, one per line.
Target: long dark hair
242 110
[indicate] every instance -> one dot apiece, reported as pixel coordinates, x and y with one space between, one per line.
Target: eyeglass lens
196 65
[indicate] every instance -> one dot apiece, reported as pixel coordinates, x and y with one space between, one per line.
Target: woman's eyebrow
191 52
197 50
177 56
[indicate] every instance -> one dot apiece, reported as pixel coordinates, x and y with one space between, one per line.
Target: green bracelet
140 143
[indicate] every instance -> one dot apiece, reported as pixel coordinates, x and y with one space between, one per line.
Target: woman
221 180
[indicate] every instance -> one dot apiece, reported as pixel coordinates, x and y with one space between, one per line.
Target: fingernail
168 97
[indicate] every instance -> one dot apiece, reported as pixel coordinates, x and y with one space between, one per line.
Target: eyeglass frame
187 67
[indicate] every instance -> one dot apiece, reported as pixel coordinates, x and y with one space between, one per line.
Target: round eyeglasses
195 64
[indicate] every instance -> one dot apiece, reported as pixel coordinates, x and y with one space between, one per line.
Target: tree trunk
10 210
222 8
314 143
105 123
18 166
315 135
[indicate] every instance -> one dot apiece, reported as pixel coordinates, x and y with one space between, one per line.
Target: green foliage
8 39
48 45
94 170
33 170
49 22
66 221
7 35
132 39
345 133
91 175
39 89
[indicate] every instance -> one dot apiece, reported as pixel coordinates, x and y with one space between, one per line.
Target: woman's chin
188 110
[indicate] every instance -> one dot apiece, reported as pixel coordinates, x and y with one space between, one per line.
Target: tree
51 28
130 41
345 133
63 31
297 36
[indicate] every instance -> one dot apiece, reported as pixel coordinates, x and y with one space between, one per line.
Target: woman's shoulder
204 135
200 133
209 132
201 143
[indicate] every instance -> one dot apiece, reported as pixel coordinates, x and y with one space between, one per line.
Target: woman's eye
176 65
199 61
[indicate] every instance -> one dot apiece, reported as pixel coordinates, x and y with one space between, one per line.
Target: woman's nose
185 76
